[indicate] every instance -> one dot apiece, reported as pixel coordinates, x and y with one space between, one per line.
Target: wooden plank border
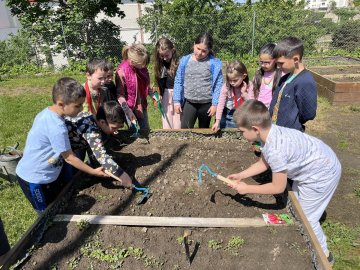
299 213
164 221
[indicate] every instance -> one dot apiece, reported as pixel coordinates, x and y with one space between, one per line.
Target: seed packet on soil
277 219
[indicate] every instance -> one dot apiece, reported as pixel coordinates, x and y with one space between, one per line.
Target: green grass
46 81
344 243
15 211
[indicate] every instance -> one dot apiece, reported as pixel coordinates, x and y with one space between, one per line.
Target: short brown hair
68 90
288 47
95 64
252 113
111 112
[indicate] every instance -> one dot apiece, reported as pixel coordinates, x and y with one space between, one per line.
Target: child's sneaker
331 259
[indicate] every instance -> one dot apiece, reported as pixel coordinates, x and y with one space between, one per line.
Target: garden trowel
145 190
187 233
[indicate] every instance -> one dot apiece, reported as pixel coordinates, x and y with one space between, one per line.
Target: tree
73 23
230 23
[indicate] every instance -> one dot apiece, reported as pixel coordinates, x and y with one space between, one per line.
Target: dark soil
168 165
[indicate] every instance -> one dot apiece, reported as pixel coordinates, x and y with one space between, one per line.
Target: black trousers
4 243
193 111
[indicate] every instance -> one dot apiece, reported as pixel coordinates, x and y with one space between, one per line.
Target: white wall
130 30
324 4
8 23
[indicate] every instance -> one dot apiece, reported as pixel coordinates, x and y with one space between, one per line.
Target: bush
347 36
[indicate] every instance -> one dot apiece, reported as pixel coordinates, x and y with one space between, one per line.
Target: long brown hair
236 68
164 44
266 49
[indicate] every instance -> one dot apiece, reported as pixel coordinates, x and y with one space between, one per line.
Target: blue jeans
227 120
42 195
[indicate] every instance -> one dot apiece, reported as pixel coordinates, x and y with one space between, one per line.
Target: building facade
326 4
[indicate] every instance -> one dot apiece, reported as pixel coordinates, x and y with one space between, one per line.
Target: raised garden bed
168 164
337 78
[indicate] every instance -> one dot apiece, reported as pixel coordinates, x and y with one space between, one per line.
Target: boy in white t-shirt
309 162
40 171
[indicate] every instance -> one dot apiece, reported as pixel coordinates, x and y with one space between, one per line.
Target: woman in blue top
197 84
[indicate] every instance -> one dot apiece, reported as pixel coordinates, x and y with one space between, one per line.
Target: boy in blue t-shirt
40 171
294 101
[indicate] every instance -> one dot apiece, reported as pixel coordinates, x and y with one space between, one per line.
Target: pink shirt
265 94
245 91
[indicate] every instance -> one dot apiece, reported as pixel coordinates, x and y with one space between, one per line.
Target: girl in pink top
234 92
267 76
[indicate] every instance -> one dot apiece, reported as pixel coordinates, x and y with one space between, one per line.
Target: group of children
271 109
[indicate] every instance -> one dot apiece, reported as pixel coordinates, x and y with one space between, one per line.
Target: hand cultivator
156 95
134 126
146 193
222 178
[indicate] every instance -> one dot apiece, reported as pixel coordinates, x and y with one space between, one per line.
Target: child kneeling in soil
41 172
87 131
309 162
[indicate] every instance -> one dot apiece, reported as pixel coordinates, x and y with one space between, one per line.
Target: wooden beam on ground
322 260
164 221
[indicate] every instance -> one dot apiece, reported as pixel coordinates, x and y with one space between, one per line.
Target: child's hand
126 180
100 172
155 102
212 111
215 127
139 111
178 109
239 187
237 177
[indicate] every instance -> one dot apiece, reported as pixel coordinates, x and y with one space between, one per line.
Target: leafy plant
357 192
83 224
180 240
73 263
152 262
234 244
214 244
137 253
189 191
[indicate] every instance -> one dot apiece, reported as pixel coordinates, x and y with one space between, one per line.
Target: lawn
23 98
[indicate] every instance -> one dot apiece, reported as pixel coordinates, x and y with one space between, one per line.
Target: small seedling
357 192
152 262
137 253
234 244
83 224
189 191
214 244
73 263
180 240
